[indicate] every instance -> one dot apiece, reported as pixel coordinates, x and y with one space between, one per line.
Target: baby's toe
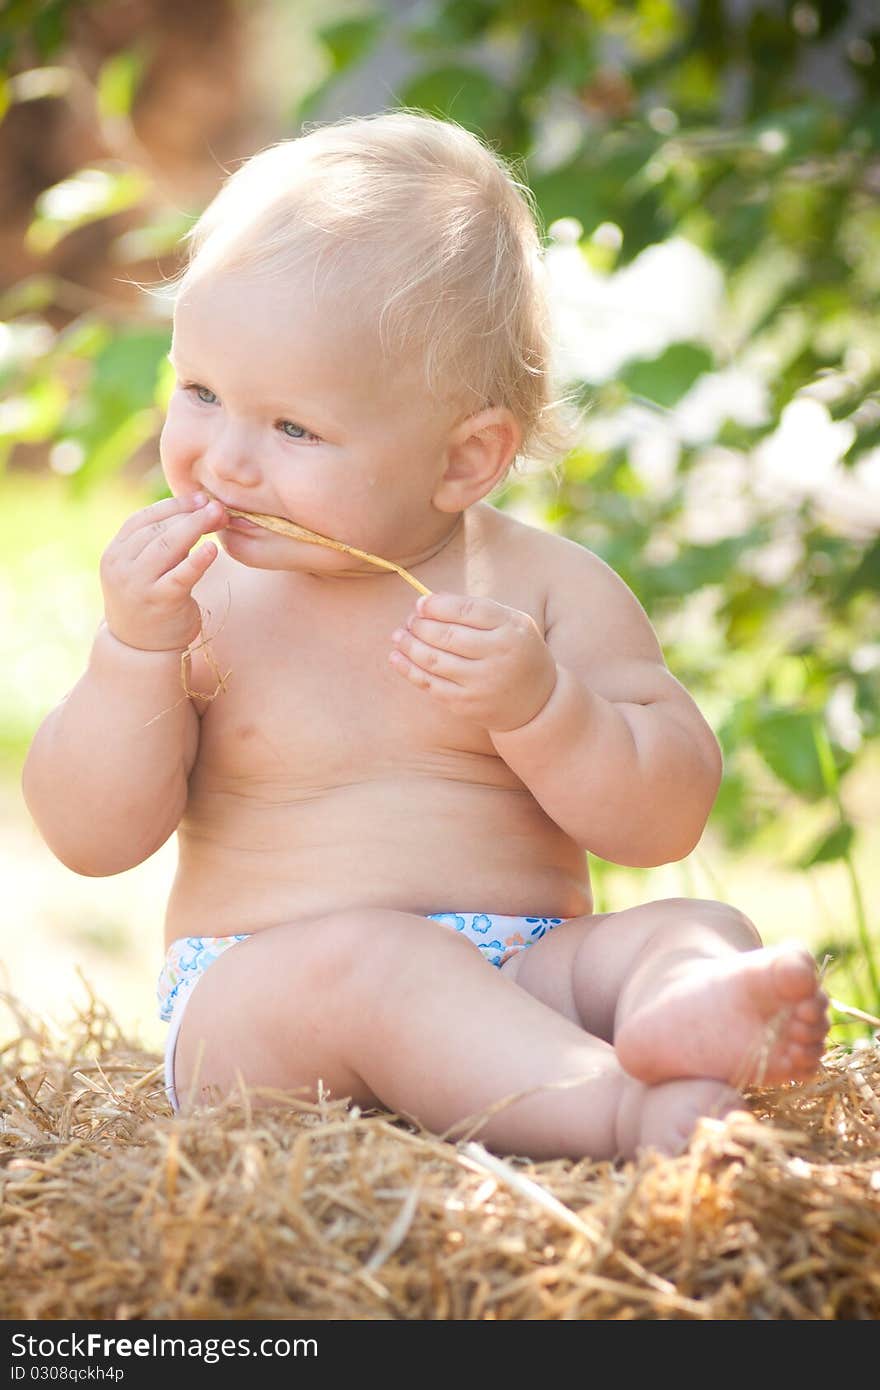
801 1032
805 1056
811 1010
794 973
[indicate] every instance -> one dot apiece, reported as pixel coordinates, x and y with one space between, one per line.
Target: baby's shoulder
561 562
580 594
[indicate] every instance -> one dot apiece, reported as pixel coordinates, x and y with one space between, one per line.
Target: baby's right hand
149 570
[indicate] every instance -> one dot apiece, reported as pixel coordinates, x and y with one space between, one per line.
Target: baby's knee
372 947
345 945
735 926
728 922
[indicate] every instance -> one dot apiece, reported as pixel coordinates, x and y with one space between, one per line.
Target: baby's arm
106 775
588 717
619 756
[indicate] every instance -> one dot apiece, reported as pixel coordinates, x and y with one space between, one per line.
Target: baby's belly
257 856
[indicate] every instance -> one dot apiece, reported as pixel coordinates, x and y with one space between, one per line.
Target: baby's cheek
169 440
176 453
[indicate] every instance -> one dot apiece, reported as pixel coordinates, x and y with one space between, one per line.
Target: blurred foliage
752 132
35 28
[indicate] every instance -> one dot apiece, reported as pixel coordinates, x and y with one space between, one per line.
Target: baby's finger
167 541
444 664
157 512
430 681
461 608
186 575
471 642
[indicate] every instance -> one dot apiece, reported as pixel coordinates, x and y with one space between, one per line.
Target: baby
383 814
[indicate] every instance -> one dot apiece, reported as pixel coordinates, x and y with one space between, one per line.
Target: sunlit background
708 180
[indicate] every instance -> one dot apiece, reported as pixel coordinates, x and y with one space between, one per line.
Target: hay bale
113 1209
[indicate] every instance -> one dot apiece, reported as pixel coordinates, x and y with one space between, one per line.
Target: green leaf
740 228
348 40
116 447
126 369
605 181
869 122
666 379
116 412
694 84
786 741
160 237
836 844
469 96
117 83
695 566
33 415
87 196
85 337
747 611
792 133
50 24
566 56
28 296
865 576
570 191
737 813
453 24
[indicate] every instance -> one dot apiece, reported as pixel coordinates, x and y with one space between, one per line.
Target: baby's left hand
484 661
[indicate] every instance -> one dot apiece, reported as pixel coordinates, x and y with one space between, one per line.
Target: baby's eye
206 396
288 427
201 392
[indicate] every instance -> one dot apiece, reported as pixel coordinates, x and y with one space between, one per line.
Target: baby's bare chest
312 701
322 710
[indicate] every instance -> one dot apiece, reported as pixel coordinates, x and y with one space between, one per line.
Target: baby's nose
231 456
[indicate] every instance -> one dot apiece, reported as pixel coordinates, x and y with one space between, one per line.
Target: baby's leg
396 1010
684 989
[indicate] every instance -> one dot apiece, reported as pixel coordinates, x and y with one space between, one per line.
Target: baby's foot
665 1116
758 1017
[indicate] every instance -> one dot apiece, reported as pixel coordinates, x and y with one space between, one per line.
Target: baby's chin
264 550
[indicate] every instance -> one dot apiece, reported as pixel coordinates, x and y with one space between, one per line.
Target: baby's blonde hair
433 235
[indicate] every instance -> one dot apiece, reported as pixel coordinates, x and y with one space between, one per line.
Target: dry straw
113 1209
282 527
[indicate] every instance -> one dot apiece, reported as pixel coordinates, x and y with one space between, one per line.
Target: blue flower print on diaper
198 959
542 925
477 922
481 923
186 961
449 919
481 928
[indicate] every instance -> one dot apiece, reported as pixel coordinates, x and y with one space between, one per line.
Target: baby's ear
479 453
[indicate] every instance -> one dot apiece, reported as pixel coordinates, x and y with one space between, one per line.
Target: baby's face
282 408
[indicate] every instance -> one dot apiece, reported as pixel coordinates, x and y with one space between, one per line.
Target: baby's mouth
240 521
282 527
